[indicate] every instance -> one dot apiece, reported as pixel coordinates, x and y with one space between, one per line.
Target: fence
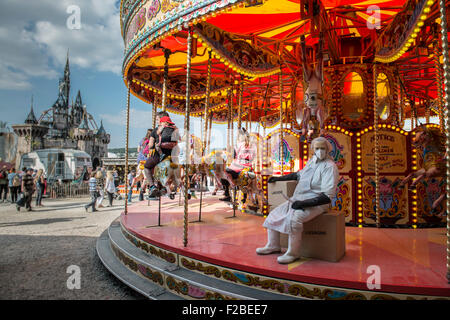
63 190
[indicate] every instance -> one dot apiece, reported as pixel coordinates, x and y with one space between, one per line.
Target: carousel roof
256 44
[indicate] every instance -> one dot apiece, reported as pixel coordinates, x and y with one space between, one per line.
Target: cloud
35 37
139 119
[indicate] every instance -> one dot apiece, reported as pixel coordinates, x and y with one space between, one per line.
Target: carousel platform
219 261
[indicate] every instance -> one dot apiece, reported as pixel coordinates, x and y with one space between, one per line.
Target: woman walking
14 182
40 186
100 187
110 187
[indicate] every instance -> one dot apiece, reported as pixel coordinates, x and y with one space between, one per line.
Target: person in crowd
27 189
100 187
162 140
110 187
316 186
93 190
130 177
14 183
3 184
40 186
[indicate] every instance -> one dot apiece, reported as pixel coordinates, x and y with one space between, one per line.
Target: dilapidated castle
63 126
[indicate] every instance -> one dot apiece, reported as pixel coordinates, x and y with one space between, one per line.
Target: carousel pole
281 151
446 100
241 95
126 148
154 112
229 123
206 112
166 78
377 148
204 142
209 132
187 135
232 122
438 68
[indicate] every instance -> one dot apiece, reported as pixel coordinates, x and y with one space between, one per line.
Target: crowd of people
21 186
102 182
18 188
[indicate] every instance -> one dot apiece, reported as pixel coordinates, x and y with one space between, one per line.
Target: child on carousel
162 140
244 155
143 150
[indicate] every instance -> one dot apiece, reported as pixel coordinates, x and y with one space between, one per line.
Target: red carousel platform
220 248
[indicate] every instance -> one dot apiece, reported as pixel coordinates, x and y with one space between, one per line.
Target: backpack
16 181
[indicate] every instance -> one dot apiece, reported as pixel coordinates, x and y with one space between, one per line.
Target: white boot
293 251
273 243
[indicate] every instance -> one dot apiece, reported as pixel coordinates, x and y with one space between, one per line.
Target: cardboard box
323 237
276 190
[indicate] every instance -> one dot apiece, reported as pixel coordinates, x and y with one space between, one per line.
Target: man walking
27 189
93 190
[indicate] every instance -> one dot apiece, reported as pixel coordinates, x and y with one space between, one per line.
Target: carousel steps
129 278
158 279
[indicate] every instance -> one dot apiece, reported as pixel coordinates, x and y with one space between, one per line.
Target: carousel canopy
255 45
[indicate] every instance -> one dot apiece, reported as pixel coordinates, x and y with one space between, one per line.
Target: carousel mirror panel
383 96
354 97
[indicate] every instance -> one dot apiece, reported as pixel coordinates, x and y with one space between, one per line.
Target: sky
35 36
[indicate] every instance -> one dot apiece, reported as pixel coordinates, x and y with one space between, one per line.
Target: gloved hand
287 177
313 202
272 179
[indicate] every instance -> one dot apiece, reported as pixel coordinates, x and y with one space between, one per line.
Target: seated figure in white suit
317 184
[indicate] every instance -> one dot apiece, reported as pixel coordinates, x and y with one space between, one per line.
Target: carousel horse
246 179
432 143
212 166
167 176
313 114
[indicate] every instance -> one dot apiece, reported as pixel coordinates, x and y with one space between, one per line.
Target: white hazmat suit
319 176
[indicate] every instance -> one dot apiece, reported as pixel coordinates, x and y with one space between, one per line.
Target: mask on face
320 153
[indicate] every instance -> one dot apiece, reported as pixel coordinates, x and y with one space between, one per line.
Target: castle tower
61 106
30 135
76 113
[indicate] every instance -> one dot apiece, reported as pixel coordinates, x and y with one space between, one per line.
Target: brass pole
166 79
205 115
440 94
444 39
209 132
229 124
126 148
281 152
186 133
241 95
154 111
377 148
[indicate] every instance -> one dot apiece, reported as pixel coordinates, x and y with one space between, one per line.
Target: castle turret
77 111
30 135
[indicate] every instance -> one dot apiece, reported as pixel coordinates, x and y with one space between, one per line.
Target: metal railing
67 189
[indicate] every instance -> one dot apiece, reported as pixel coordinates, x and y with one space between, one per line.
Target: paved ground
38 247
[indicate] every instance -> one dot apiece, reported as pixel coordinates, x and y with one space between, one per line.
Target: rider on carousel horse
162 140
244 155
143 151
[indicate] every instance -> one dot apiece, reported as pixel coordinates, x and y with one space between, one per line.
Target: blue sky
35 37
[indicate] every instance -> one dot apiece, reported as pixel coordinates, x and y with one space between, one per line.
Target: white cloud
139 119
34 38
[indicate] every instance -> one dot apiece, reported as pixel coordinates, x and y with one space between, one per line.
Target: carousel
371 77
